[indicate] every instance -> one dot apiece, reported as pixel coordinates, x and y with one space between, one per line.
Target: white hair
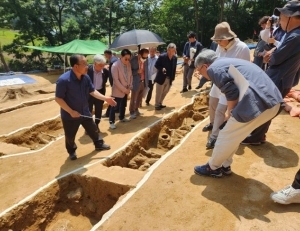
99 59
206 56
171 45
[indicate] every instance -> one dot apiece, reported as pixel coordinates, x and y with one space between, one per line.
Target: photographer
272 34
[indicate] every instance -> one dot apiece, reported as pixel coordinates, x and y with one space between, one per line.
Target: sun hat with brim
223 32
291 9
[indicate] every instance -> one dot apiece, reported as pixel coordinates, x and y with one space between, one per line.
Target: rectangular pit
72 203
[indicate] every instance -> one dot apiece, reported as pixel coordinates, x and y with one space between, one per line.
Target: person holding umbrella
139 81
166 70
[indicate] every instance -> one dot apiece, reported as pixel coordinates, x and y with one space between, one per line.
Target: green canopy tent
85 47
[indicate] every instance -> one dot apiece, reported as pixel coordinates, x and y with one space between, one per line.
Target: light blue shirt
151 62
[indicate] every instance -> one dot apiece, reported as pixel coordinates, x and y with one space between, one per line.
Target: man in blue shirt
284 62
73 90
260 103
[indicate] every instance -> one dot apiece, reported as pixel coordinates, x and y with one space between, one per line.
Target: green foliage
56 22
7 36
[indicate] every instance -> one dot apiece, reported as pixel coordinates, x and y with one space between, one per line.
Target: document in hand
239 80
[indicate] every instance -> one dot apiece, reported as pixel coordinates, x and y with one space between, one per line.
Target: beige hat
223 32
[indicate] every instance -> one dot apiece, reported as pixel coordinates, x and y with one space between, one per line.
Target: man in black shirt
166 70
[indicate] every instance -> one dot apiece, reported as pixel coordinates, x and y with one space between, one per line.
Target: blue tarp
7 80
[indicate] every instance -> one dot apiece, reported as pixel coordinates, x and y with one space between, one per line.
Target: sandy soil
173 198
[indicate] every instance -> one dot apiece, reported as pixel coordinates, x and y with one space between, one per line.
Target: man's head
99 62
79 64
223 34
289 15
203 60
171 49
152 51
108 54
191 36
143 54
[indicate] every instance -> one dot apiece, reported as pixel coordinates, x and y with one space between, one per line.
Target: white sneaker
125 120
112 126
132 116
286 196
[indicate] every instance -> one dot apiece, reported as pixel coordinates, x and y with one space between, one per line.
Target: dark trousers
71 128
296 183
149 95
98 104
202 81
259 61
122 103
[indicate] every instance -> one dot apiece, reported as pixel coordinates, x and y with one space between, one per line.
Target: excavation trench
37 136
158 139
59 206
78 202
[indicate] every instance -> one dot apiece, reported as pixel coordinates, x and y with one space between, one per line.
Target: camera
273 19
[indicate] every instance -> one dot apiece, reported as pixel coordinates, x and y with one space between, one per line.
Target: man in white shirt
151 71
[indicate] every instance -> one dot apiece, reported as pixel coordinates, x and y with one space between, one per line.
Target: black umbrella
136 39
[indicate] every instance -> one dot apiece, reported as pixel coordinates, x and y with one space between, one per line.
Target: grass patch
7 36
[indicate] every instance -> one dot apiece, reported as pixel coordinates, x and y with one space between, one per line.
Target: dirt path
172 199
24 174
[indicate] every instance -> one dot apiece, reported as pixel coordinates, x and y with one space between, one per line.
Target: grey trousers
187 75
213 103
136 98
219 119
161 92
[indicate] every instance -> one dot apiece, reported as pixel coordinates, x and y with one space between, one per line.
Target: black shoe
210 143
102 146
73 156
226 170
162 106
208 127
249 142
158 108
184 90
190 87
198 87
147 103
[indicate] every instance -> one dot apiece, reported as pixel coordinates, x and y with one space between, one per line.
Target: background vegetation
56 22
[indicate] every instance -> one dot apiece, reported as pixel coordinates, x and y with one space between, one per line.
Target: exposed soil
172 199
37 136
71 198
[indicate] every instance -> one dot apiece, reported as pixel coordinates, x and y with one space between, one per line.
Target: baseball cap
291 9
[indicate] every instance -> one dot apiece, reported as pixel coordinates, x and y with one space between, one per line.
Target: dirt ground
173 198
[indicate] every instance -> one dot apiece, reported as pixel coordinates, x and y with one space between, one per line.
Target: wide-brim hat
291 9
223 32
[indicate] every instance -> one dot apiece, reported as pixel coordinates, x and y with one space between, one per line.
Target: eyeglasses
144 58
199 69
83 64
